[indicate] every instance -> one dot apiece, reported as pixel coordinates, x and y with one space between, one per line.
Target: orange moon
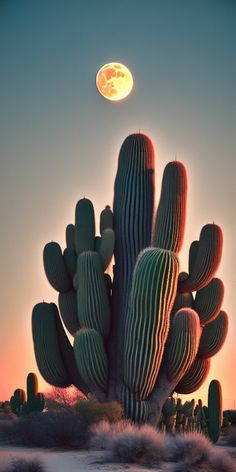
114 81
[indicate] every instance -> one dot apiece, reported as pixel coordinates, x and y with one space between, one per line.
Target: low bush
23 465
91 411
102 433
48 430
183 446
216 461
128 443
191 452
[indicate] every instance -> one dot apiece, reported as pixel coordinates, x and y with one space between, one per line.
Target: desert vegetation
89 424
120 353
147 446
143 331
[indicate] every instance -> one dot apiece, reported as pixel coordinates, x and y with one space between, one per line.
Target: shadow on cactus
141 334
34 402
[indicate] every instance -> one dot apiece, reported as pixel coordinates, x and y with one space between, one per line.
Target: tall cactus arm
70 258
106 219
169 226
152 292
84 226
207 259
53 352
208 301
55 268
92 298
106 247
194 377
183 343
32 385
70 237
193 250
91 359
213 336
68 308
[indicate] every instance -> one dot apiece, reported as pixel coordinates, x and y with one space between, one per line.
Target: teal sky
60 139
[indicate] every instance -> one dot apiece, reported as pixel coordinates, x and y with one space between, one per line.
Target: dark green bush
48 430
91 411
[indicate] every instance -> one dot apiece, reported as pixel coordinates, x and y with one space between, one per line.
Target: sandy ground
68 461
76 461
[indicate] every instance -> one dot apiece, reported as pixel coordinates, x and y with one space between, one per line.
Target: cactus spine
141 334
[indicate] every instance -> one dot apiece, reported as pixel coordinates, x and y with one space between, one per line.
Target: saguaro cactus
140 334
34 402
214 414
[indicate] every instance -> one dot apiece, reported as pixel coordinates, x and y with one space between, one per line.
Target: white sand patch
68 461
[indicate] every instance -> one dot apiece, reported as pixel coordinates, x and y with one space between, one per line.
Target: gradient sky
60 139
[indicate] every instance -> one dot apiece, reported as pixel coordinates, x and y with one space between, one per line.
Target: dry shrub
129 443
216 461
194 445
23 465
191 452
48 430
91 411
102 433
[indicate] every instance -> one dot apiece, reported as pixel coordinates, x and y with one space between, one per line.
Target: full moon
114 81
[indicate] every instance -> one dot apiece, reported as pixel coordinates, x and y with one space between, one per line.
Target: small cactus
34 402
214 412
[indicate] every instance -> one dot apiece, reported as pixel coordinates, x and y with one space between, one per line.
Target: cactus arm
70 237
84 226
91 359
106 247
55 268
213 336
69 256
53 352
106 219
171 213
92 298
67 303
208 301
194 377
207 259
193 250
153 290
183 343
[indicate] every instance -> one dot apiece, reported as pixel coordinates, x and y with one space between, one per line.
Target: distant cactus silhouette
20 405
140 335
213 412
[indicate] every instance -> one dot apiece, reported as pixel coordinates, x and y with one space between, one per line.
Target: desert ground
79 461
